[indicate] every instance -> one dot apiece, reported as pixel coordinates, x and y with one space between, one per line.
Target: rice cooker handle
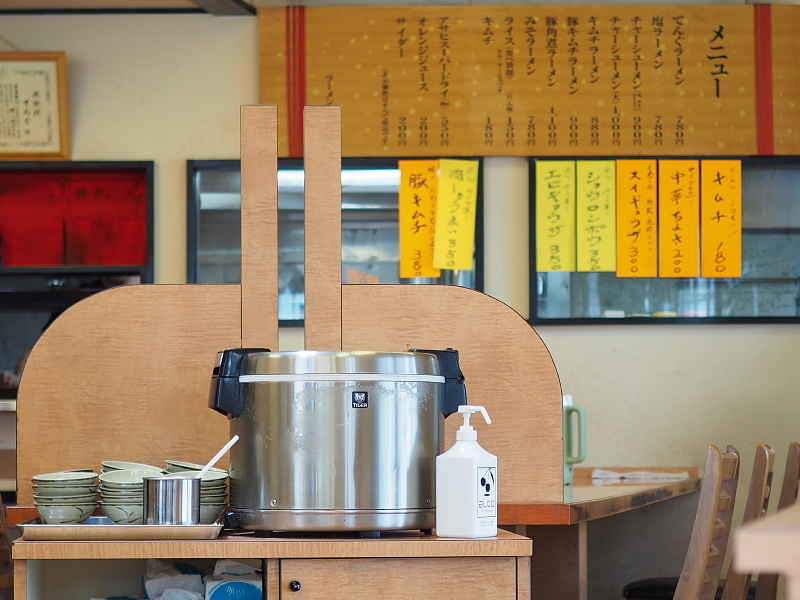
225 395
455 392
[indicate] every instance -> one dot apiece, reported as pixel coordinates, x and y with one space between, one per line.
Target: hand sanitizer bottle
466 485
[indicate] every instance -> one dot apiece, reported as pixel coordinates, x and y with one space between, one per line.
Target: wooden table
772 546
559 530
395 566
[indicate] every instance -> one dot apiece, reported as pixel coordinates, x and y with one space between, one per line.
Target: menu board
721 218
419 187
596 215
637 222
679 218
521 80
456 209
784 56
555 215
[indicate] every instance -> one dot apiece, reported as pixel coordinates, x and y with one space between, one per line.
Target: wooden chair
700 575
737 585
6 564
767 587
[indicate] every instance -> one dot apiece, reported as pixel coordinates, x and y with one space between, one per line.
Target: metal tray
103 529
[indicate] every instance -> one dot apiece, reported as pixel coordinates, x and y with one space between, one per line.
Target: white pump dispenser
466 485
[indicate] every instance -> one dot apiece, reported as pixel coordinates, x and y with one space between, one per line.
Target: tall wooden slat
507 367
323 236
259 150
124 375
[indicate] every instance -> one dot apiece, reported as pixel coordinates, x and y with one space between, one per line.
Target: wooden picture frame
34 111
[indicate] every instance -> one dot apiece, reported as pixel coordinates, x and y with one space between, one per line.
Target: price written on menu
596 215
528 80
555 215
637 218
679 218
456 206
419 186
721 218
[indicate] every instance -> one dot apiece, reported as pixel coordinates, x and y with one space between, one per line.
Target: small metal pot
171 500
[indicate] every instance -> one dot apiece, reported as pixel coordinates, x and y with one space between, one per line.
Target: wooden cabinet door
468 578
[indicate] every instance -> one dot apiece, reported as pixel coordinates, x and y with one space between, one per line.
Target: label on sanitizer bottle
487 492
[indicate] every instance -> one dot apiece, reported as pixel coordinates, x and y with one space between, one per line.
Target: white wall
168 88
151 87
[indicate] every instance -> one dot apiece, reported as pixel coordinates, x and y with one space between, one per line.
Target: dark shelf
73 270
42 299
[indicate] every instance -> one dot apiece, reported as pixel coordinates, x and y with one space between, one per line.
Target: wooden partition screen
124 375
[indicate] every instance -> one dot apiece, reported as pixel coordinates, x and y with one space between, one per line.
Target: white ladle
219 455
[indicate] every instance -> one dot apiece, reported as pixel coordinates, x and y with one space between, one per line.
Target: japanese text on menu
511 80
679 218
555 215
637 224
419 184
721 215
456 207
596 215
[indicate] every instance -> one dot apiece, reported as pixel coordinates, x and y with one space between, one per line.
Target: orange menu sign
679 218
419 185
637 218
721 218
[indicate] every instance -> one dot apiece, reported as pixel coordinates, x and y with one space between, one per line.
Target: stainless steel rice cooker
335 441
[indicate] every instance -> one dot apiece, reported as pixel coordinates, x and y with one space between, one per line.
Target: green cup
574 438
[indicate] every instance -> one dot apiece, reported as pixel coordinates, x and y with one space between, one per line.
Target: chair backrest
701 568
737 584
6 564
767 586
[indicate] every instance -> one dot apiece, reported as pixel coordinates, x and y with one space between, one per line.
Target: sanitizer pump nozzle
466 432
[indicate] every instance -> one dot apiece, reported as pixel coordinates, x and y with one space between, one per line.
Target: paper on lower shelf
639 475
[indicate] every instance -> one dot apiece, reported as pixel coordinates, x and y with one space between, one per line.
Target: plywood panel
421 579
393 545
323 230
535 80
786 78
507 367
259 152
124 375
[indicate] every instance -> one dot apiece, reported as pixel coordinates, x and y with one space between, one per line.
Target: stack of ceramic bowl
66 496
213 488
122 495
119 465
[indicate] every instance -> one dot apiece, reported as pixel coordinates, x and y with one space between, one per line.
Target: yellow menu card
721 218
679 218
456 208
419 185
637 218
555 215
596 215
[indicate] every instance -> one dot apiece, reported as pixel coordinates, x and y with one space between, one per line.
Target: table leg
523 577
559 569
20 580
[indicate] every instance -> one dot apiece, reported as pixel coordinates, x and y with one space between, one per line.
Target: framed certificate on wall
34 114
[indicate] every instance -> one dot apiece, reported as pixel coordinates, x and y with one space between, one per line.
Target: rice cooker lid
308 365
